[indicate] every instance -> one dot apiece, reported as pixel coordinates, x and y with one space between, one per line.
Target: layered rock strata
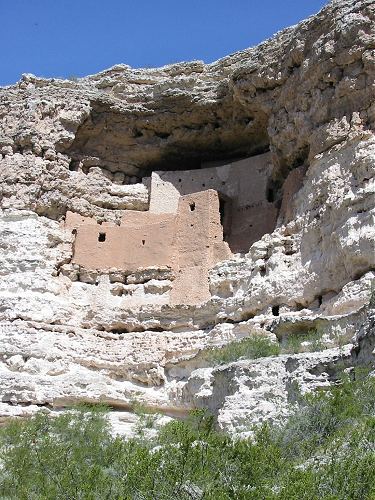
69 333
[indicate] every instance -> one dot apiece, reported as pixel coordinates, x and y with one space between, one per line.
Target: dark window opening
162 135
222 210
137 133
320 300
179 180
74 231
192 206
225 206
270 195
203 185
101 237
73 165
143 242
276 310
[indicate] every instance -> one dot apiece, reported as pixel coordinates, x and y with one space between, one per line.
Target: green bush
322 415
252 347
258 346
146 417
292 344
324 451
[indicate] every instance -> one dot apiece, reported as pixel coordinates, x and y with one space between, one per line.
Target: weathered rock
69 333
247 393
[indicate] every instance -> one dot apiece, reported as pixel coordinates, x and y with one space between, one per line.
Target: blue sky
65 38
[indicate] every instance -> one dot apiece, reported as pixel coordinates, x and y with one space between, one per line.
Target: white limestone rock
69 334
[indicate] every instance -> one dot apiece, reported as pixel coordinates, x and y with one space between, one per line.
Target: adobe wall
199 234
190 242
126 247
244 182
199 246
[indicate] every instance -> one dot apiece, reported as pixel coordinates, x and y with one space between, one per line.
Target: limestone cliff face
308 96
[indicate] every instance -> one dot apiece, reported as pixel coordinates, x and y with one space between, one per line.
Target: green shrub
55 457
252 347
323 414
146 417
292 344
325 450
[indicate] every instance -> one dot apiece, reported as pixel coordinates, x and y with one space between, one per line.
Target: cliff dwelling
196 218
247 211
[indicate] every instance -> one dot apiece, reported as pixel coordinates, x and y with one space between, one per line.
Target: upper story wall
246 211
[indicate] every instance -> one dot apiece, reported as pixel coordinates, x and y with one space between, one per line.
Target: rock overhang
307 95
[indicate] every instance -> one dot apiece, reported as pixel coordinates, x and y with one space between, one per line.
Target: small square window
101 237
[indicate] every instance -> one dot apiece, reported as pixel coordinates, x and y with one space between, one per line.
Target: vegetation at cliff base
325 450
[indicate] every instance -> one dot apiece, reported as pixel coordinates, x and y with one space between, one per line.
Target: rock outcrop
69 333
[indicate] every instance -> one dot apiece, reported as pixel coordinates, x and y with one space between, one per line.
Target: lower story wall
190 242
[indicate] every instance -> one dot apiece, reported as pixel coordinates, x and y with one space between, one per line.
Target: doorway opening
225 209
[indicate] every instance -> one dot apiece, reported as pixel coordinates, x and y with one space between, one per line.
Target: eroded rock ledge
305 101
297 94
